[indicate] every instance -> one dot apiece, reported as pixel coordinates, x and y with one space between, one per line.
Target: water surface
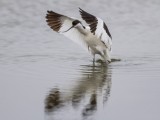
44 76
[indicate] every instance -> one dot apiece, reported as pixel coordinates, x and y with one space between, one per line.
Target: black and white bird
95 37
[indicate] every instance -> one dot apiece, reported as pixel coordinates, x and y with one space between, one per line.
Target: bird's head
75 24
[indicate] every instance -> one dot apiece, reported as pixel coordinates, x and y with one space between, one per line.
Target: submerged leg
93 59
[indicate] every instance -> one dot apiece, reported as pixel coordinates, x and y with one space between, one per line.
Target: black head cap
75 22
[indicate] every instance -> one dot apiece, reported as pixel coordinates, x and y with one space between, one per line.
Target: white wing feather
97 27
73 34
61 23
101 33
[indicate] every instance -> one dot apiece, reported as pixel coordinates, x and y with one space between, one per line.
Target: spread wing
97 27
61 23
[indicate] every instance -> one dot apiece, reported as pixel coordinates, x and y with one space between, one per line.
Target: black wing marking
54 20
90 19
93 21
106 29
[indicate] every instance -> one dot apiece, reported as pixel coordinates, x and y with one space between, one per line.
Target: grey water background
44 76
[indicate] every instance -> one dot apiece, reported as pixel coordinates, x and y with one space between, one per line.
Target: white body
94 38
88 41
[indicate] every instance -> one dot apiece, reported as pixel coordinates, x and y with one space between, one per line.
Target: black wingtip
80 10
49 11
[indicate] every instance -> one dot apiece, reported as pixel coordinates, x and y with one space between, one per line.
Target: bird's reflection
53 100
92 89
91 106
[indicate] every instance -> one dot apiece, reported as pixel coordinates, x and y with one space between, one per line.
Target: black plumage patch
53 20
75 22
106 29
90 19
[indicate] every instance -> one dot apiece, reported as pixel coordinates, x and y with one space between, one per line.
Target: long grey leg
93 53
93 57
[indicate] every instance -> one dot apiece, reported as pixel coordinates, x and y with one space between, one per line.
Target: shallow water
44 76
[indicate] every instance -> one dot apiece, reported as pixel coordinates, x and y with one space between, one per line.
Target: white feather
101 33
73 33
94 38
